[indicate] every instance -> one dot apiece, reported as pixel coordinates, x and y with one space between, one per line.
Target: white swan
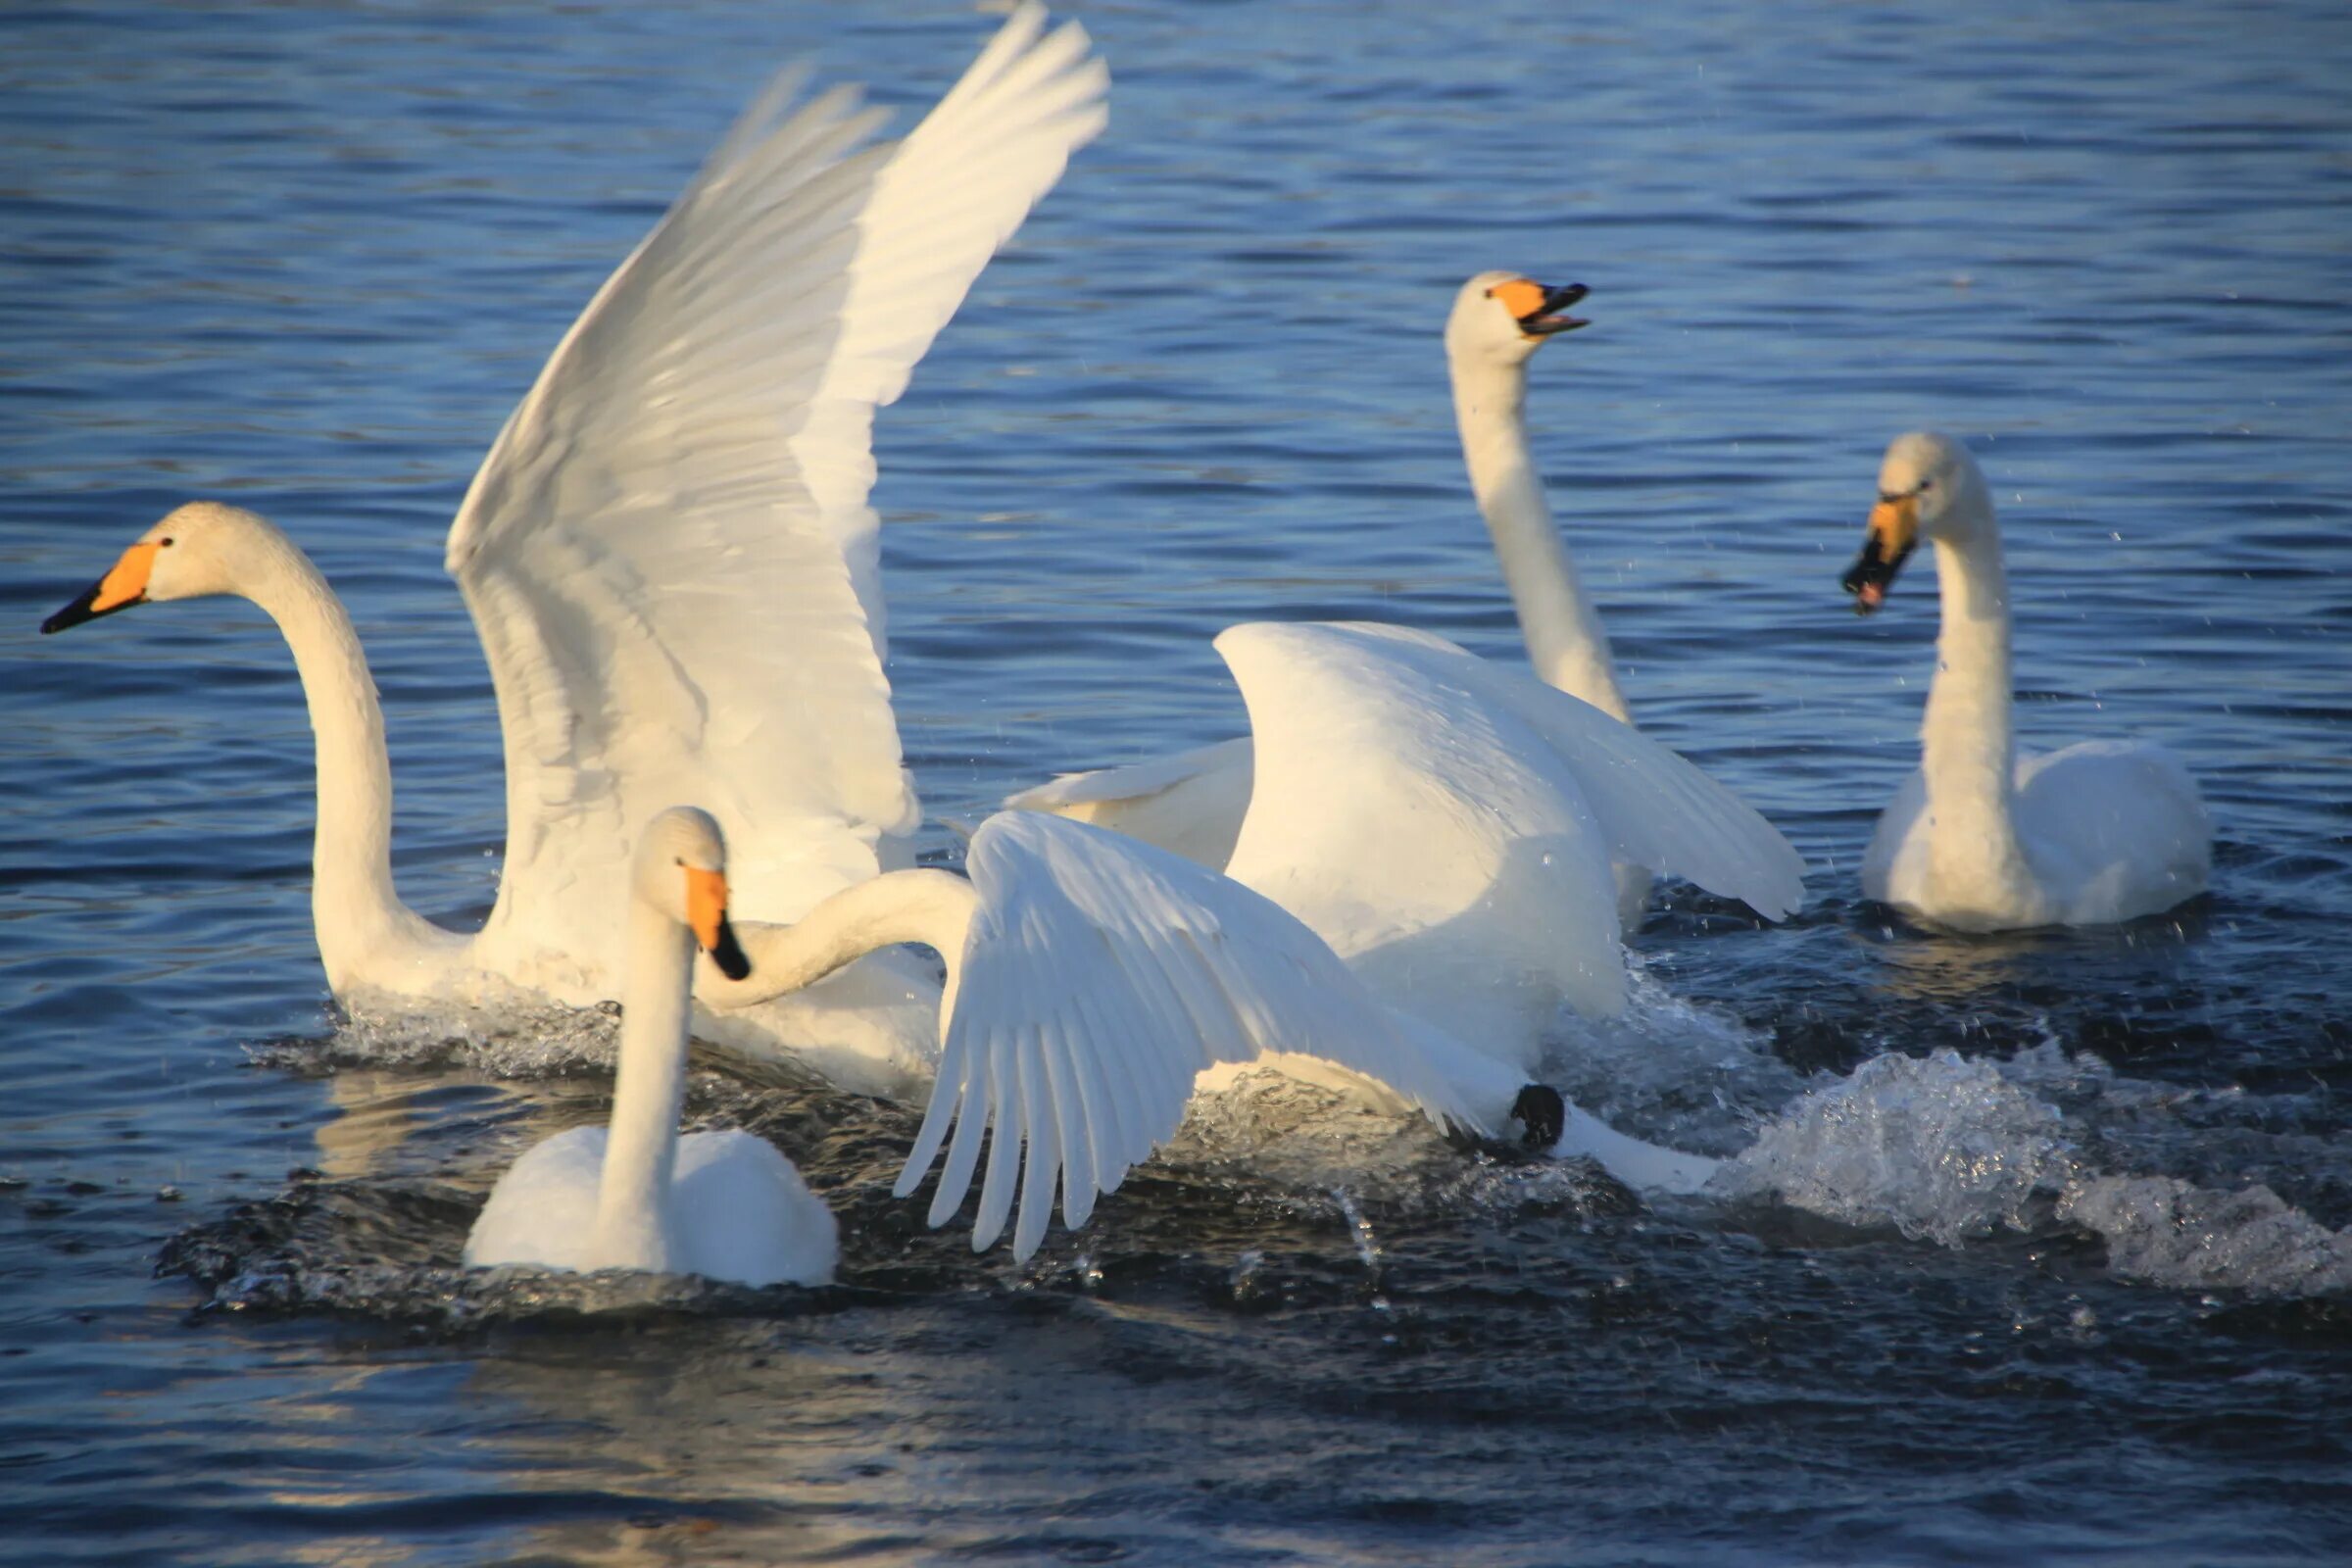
1450 828
1093 977
1095 981
671 560
1453 831
637 1196
1985 837
1193 802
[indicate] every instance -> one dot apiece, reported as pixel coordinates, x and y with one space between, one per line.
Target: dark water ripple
308 259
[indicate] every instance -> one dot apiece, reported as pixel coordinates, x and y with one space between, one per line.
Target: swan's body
1451 828
671 562
636 1194
1092 979
1452 832
1985 837
1194 802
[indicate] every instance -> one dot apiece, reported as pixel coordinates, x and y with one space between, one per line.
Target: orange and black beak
1893 535
120 589
706 912
1538 309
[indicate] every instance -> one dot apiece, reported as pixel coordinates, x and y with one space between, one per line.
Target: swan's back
740 1209
2113 829
743 1214
1450 826
543 1209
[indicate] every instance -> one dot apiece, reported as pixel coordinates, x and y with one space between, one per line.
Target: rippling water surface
2088 1298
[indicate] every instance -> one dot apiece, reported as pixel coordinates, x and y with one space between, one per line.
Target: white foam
1669 1070
506 1041
2167 1232
1939 1146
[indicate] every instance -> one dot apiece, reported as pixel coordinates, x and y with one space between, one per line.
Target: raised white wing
1448 825
667 552
1191 803
954 192
1100 976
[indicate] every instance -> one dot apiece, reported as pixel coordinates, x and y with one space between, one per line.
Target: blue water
307 256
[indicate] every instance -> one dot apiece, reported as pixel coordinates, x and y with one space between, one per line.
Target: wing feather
667 551
1100 976
1449 826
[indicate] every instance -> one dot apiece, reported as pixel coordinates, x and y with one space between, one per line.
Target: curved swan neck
1564 638
354 904
1967 744
934 908
649 1090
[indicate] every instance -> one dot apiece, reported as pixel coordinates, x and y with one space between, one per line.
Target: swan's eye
1926 485
166 543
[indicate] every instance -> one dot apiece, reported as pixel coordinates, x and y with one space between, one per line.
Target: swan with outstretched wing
1096 982
671 560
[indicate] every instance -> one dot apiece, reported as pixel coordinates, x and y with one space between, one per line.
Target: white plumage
1450 827
1985 837
636 1194
1091 978
1194 802
740 1213
672 563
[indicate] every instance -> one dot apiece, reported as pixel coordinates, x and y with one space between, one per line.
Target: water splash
1942 1148
1946 1149
2166 1232
1669 1070
508 1040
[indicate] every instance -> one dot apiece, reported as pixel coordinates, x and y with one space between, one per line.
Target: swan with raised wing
1985 837
635 1195
671 559
1094 980
1193 802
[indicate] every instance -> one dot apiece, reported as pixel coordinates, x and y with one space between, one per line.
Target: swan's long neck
361 921
934 908
1967 745
632 1201
1564 639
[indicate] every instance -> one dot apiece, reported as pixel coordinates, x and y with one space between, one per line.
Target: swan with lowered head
1093 979
1094 982
1193 802
671 559
636 1194
1985 837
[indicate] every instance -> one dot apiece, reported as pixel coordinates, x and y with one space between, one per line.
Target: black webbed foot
1543 1111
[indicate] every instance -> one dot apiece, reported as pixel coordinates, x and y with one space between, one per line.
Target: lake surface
306 258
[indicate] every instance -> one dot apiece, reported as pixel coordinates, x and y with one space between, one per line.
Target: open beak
119 589
706 912
1893 534
1548 315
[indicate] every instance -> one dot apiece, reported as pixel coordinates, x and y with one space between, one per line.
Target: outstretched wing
1449 826
667 552
1100 976
954 193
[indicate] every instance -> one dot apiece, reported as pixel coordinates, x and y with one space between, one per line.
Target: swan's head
681 871
1929 488
1503 317
203 548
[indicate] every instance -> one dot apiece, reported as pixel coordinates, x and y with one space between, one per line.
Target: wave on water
521 1040
1945 1149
